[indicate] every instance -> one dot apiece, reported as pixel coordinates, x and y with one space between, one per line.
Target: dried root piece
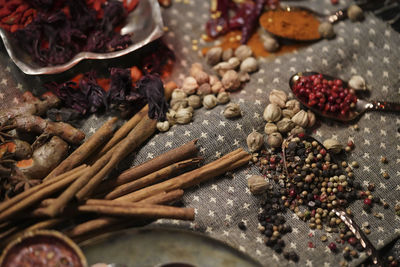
44 159
35 124
17 149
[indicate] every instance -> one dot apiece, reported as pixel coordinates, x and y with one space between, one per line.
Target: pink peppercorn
367 201
332 246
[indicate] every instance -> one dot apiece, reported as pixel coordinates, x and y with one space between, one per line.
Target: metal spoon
361 105
354 228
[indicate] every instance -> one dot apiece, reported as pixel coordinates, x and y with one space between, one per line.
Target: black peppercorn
242 226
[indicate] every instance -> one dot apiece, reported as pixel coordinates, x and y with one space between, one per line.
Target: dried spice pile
53 32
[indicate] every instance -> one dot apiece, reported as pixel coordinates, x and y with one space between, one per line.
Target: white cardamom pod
243 52
274 140
333 145
210 101
296 130
213 80
250 64
311 118
287 113
204 89
285 125
357 83
194 101
189 85
178 103
163 126
232 110
255 141
171 116
231 81
222 67
184 115
223 97
213 56
178 94
200 77
244 77
235 62
301 118
272 113
195 67
270 128
257 184
294 105
227 54
278 97
217 87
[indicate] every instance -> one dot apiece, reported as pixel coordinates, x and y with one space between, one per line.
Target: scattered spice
295 24
384 160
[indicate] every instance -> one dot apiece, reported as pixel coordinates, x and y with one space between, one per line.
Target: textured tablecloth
369 49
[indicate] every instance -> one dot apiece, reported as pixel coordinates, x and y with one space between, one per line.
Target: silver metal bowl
145 22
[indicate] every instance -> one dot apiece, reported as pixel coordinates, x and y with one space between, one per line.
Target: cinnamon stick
39 195
7 204
103 222
172 156
143 130
86 149
151 178
147 211
227 163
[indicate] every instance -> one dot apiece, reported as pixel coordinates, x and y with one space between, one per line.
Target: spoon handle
384 106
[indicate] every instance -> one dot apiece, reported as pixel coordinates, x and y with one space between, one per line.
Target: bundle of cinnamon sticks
78 185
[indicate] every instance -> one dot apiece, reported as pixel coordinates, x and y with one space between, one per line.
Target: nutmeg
270 128
223 97
204 89
301 118
232 110
194 101
333 145
294 105
272 113
255 141
257 184
210 101
250 64
231 81
278 97
178 94
213 56
162 126
274 140
189 85
243 52
285 125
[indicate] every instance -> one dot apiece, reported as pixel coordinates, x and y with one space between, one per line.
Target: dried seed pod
357 83
217 87
287 113
311 118
355 13
210 101
227 54
204 89
195 67
250 64
184 115
163 126
243 52
255 141
272 113
257 184
333 145
301 118
189 85
297 130
200 77
178 103
294 105
231 81
232 110
178 94
270 128
244 77
194 101
223 97
171 116
274 140
326 31
213 80
278 97
285 125
213 56
235 63
270 44
222 67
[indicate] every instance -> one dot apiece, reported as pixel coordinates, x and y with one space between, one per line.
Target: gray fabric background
369 49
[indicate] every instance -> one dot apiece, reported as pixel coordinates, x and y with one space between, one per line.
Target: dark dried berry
242 226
